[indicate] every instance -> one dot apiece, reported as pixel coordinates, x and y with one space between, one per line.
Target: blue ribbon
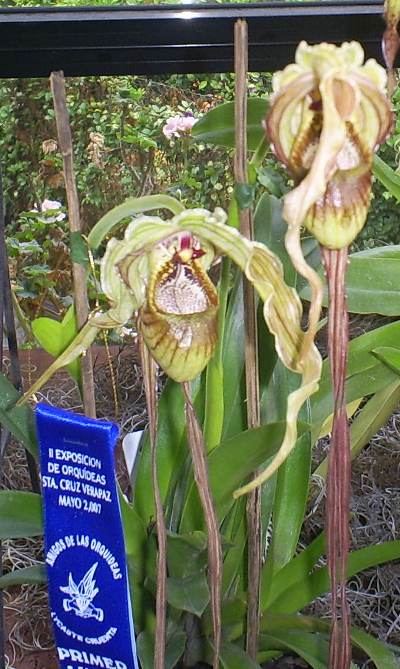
85 553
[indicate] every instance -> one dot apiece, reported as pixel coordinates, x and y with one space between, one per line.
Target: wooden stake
251 340
150 388
57 84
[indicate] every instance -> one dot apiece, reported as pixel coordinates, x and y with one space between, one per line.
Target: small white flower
50 206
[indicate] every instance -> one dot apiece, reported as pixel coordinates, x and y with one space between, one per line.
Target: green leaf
229 465
54 336
317 583
137 550
365 374
390 356
289 507
189 594
20 421
387 176
270 229
174 650
218 125
272 181
374 415
171 452
378 651
233 363
294 571
79 252
380 654
34 575
48 333
313 648
233 657
244 194
186 553
20 514
372 282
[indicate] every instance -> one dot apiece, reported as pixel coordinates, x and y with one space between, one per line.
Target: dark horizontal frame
169 39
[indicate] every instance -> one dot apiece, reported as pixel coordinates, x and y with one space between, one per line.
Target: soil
374 595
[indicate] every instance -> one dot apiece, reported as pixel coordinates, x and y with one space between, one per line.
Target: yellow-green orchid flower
158 272
328 115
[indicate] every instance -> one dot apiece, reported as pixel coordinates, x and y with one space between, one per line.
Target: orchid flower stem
197 449
150 387
338 485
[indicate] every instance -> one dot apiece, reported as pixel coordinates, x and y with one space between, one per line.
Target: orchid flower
328 115
159 272
178 125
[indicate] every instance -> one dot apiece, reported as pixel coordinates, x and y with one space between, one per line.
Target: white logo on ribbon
82 596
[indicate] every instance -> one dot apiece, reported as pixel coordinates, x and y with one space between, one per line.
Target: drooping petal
282 313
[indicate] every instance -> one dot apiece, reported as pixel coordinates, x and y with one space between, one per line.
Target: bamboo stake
198 453
57 84
150 388
251 341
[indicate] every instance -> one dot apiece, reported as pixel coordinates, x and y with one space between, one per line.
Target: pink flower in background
177 125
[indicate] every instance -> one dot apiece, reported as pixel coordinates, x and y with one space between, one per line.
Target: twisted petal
178 303
282 313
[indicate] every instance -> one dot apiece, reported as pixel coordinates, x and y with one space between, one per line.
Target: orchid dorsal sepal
128 209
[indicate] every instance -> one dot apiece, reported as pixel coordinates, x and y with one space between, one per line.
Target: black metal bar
15 368
3 432
8 319
174 39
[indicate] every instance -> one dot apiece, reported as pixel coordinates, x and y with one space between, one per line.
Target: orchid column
328 115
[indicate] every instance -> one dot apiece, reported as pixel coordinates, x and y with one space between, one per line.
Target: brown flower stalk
198 453
338 486
149 370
